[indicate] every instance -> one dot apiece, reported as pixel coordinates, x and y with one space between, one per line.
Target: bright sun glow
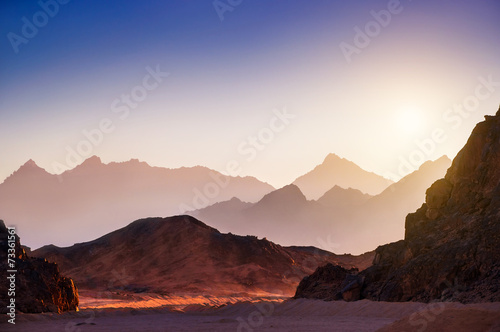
410 119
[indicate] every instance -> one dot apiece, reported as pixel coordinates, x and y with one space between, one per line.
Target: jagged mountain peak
339 171
27 171
30 163
92 161
288 193
332 157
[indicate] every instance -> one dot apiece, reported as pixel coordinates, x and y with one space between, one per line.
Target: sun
409 119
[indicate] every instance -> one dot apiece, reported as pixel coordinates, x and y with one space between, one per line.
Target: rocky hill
39 285
182 255
451 246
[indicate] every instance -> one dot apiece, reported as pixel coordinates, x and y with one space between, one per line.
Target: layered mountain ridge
345 220
94 197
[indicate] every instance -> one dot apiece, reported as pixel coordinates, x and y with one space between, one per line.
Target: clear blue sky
226 78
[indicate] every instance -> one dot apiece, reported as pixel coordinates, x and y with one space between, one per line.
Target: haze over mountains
183 256
95 198
342 220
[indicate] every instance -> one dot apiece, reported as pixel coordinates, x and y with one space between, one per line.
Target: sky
273 86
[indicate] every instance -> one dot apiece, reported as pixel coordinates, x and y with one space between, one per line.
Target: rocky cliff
451 247
39 287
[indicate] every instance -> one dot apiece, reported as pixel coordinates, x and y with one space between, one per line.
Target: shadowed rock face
39 285
330 282
451 248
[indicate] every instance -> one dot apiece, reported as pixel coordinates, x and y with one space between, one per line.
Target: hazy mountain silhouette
285 216
94 197
343 173
182 255
380 217
342 220
339 197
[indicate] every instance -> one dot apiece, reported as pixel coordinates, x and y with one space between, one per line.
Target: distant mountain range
182 255
95 198
342 220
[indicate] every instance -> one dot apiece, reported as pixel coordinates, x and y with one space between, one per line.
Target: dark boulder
326 283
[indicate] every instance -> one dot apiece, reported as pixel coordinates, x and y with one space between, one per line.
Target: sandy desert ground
289 315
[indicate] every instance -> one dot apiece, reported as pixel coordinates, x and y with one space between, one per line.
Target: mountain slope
381 215
340 197
341 172
450 249
183 255
284 216
94 197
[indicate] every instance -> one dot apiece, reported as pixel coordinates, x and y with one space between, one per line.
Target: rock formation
451 247
39 285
